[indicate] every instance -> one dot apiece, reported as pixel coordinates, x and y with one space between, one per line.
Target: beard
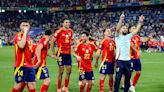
124 33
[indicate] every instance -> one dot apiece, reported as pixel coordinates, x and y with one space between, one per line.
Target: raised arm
140 23
145 39
118 27
22 42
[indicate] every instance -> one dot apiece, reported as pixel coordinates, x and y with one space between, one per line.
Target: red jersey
43 52
34 48
85 51
107 47
136 42
161 44
64 39
150 43
23 57
155 43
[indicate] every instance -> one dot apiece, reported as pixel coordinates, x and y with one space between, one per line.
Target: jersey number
20 73
86 56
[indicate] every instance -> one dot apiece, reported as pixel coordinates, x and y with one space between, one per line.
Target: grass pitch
151 80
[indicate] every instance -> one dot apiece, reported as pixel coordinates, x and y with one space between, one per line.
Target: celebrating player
40 61
84 54
123 40
24 71
107 48
63 37
135 56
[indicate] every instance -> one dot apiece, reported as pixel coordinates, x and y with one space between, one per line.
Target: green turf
152 77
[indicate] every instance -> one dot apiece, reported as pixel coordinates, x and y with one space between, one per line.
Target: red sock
82 88
136 78
59 84
22 87
32 90
14 90
44 88
66 82
111 84
88 89
101 85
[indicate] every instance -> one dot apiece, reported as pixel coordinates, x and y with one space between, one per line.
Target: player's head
107 32
66 23
124 30
131 28
24 23
85 35
48 32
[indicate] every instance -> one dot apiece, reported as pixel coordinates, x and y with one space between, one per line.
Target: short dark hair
24 20
65 20
130 25
86 33
48 32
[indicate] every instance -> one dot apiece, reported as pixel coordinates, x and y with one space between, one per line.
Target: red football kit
64 39
23 57
108 49
136 42
85 51
43 52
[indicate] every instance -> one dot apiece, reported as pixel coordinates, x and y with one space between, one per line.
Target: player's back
43 52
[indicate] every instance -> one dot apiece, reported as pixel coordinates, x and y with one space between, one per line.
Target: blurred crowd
95 21
61 3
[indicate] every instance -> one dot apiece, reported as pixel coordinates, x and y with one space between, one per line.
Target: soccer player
107 48
135 56
40 61
123 40
63 37
84 54
24 71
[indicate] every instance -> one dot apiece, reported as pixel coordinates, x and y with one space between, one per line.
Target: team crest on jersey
83 49
87 51
66 36
19 38
45 42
